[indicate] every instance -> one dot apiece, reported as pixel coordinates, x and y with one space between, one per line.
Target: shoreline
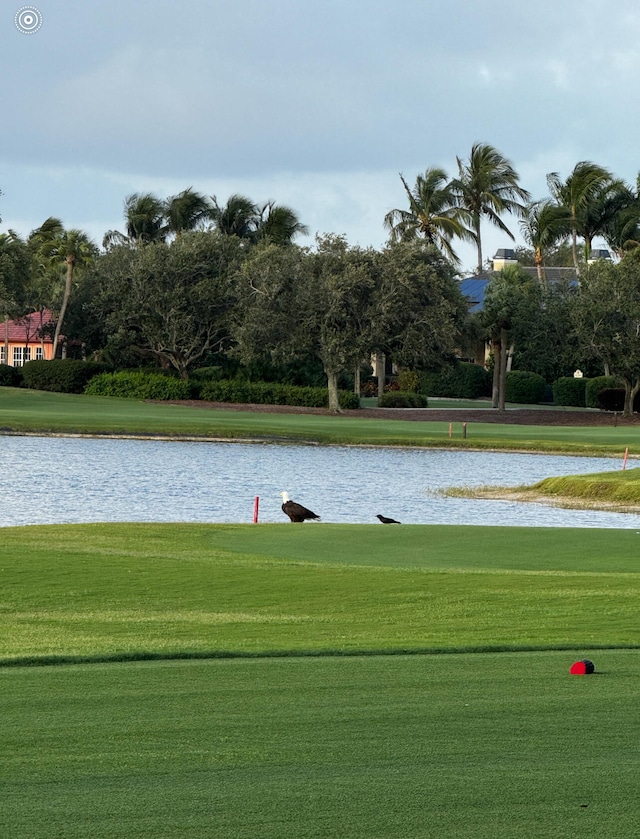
530 496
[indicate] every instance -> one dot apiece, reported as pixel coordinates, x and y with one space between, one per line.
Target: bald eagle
296 512
386 520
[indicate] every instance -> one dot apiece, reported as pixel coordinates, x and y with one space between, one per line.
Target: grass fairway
287 706
135 590
493 746
29 411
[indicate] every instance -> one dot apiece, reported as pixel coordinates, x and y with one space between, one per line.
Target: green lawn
28 411
136 590
278 699
493 746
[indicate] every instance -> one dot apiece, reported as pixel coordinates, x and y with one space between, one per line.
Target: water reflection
57 480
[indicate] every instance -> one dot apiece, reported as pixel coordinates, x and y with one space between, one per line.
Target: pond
73 480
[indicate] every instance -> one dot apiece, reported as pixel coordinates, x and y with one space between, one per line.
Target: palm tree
69 249
583 189
238 217
186 211
543 225
144 216
279 224
487 186
432 214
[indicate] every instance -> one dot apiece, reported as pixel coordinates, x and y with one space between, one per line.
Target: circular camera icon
28 19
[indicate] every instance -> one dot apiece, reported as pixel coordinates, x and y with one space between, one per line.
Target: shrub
595 385
65 375
570 391
524 388
611 399
272 393
10 376
463 381
138 386
207 374
402 399
408 381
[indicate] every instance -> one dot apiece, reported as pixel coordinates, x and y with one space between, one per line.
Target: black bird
296 512
386 520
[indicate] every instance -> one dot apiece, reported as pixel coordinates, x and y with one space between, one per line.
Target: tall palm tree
144 216
486 187
543 225
238 217
186 211
583 189
432 214
69 249
279 224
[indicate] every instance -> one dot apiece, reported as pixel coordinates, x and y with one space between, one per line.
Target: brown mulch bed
514 416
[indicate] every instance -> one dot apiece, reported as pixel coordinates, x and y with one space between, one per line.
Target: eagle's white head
285 497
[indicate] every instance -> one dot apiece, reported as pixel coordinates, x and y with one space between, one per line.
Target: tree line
190 279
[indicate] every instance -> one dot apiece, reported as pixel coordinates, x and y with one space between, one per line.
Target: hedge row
10 376
271 393
524 388
66 375
464 381
138 385
402 399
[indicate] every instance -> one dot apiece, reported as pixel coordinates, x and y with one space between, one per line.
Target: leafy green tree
15 277
187 211
295 303
271 320
59 253
433 214
582 190
170 303
238 217
511 300
279 224
606 318
421 314
144 216
622 231
488 186
344 307
543 225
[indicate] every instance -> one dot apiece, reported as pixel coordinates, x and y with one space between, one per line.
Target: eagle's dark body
295 511
386 520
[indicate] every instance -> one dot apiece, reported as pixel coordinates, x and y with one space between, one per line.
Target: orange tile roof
26 329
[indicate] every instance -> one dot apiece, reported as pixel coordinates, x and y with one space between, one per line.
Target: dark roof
474 289
600 253
505 253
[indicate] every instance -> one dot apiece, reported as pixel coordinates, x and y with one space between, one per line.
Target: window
39 354
21 355
2 361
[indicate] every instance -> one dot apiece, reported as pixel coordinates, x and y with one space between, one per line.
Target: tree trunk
332 384
574 249
479 245
63 308
6 339
356 381
380 365
503 371
510 357
629 396
495 384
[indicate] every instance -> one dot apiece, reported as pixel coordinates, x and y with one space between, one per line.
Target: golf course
321 680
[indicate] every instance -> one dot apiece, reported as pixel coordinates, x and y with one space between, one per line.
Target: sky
316 104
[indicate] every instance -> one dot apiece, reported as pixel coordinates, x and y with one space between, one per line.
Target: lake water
59 480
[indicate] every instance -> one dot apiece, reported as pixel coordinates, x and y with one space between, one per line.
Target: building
28 338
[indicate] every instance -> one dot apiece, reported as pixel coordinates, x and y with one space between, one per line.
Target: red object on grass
582 668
